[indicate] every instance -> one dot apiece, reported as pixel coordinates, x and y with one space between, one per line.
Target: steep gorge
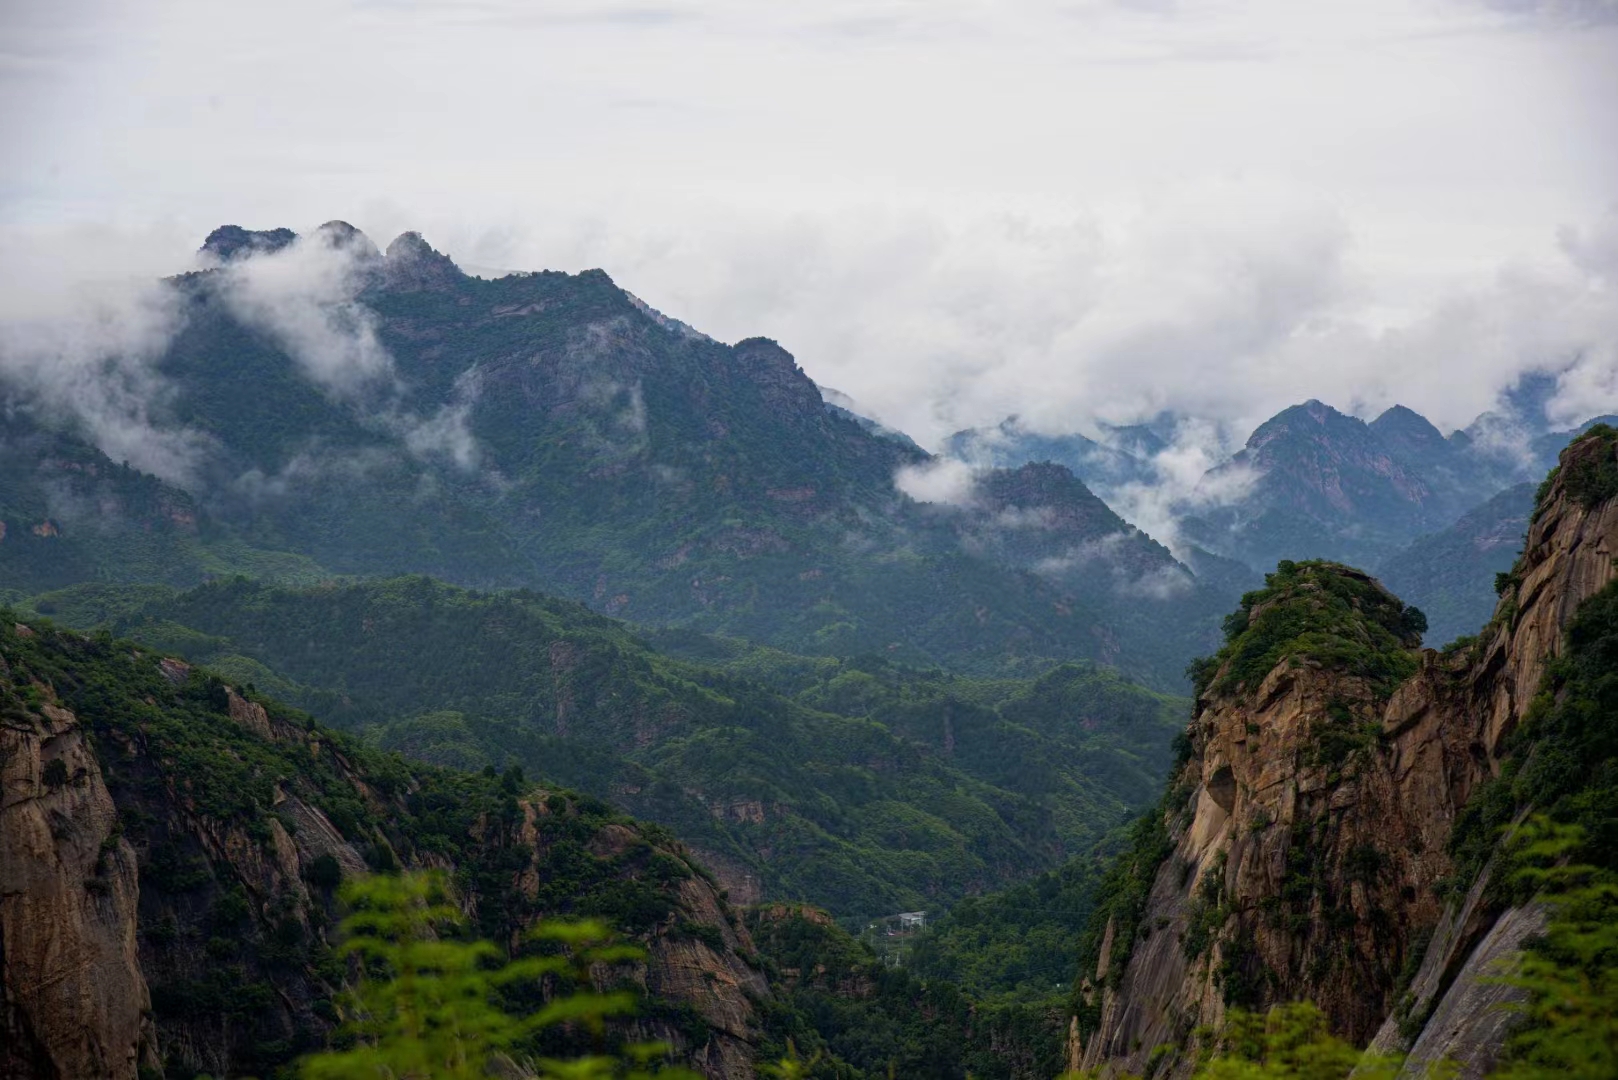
1308 829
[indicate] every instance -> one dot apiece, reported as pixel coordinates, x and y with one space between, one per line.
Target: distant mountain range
368 413
1313 482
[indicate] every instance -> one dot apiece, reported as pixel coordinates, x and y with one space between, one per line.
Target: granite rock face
1301 875
72 999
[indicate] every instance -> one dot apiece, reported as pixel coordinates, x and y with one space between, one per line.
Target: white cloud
943 481
82 321
1181 483
306 297
951 210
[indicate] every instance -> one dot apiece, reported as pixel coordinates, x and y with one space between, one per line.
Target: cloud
1160 583
306 296
942 481
444 434
953 211
82 323
314 464
1182 482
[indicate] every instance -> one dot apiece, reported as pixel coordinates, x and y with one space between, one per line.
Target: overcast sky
951 210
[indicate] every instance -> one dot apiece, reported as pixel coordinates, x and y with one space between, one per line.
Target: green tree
1289 1042
428 1006
1570 975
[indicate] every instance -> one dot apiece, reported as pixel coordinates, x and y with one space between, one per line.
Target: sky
951 210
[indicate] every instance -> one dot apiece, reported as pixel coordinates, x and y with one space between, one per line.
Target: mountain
860 786
68 513
1338 831
379 412
1450 574
841 405
170 850
1011 443
1313 482
1319 483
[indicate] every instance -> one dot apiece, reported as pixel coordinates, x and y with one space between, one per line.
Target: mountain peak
229 243
341 236
1406 423
412 245
1313 413
414 263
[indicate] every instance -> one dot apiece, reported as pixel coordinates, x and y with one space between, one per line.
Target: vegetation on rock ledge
1334 615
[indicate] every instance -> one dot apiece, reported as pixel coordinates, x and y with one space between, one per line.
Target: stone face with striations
1303 872
72 998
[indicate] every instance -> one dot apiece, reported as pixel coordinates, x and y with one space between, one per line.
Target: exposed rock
341 236
250 714
213 963
232 243
1311 878
412 263
1473 1018
72 997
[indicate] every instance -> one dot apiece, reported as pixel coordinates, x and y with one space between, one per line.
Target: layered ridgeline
383 413
1430 511
172 846
861 786
1331 835
1316 483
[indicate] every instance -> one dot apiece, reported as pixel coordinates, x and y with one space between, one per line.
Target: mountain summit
375 413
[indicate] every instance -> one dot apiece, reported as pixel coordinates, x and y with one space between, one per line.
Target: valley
518 580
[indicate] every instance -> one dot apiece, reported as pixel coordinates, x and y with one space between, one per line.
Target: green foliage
1340 734
859 1018
1563 759
1209 909
1570 974
1014 944
688 483
428 1005
893 787
1323 612
1590 471
197 789
1289 1042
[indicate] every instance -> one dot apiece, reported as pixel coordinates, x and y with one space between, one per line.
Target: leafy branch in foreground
428 1006
1570 975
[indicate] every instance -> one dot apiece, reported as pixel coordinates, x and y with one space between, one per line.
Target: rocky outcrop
1307 855
73 1001
169 859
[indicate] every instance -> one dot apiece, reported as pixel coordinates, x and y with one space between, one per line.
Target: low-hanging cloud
86 317
306 297
942 481
1190 476
83 319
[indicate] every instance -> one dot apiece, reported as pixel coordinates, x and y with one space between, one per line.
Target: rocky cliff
1308 829
170 849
